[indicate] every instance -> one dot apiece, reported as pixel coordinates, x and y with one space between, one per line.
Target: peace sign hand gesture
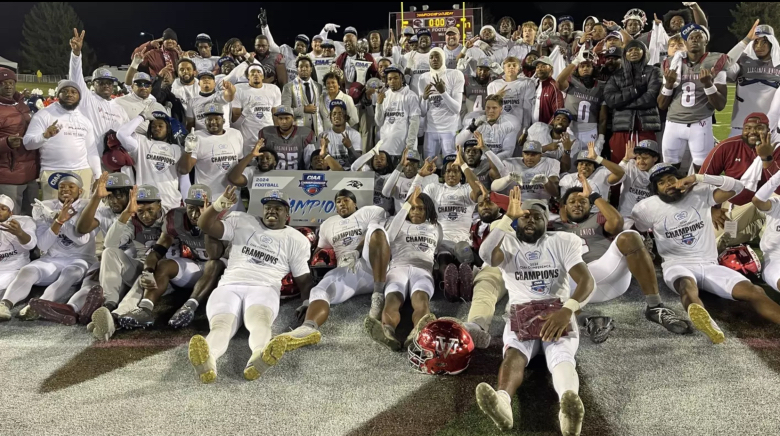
77 42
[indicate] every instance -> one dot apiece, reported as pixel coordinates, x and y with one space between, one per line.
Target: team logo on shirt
681 216
688 239
159 166
435 100
313 184
423 241
8 254
539 286
65 241
533 255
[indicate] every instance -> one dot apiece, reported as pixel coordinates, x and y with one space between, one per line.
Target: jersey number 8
688 98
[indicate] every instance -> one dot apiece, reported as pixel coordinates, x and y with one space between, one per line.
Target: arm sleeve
379 115
93 157
769 188
364 159
508 146
119 234
497 161
126 134
414 127
735 53
387 189
398 221
463 136
417 181
272 45
75 74
454 98
34 139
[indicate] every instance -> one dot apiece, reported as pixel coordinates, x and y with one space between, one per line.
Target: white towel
753 174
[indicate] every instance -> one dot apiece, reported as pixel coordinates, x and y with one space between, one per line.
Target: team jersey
474 94
293 150
482 171
541 270
256 105
68 243
757 82
454 208
344 235
770 241
155 164
191 239
415 245
598 182
499 137
336 147
442 113
398 107
260 256
594 241
636 187
197 106
546 166
583 102
13 254
215 155
518 99
689 102
683 230
419 64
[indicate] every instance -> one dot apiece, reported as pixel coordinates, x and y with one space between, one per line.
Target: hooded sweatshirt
632 92
756 80
442 110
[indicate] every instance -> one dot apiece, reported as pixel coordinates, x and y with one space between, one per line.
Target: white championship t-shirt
215 155
455 209
415 245
518 99
255 105
636 187
155 164
344 235
12 255
528 191
197 106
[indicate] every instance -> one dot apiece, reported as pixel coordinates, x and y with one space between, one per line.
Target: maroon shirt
733 157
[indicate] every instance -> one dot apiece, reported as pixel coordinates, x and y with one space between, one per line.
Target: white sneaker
495 406
5 313
571 414
103 328
377 305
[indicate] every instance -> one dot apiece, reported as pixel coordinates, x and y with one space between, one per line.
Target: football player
208 98
518 93
264 250
585 99
559 139
498 129
475 93
536 174
768 203
441 99
600 173
293 144
638 161
254 105
398 114
537 265
398 187
679 215
17 238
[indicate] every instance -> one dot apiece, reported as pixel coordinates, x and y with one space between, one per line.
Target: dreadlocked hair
168 136
430 209
686 15
228 44
388 167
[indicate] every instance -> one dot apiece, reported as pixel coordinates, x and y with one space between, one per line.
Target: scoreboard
437 23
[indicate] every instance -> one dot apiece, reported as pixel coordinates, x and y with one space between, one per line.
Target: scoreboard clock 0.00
437 22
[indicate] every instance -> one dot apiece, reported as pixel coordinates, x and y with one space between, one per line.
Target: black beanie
170 34
346 193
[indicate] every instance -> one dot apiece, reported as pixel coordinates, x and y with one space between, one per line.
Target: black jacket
633 92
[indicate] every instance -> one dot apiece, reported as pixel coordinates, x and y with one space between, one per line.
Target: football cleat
668 319
55 312
466 281
94 301
28 314
377 305
704 323
599 328
571 414
103 327
182 318
5 313
495 406
140 317
381 334
201 359
451 276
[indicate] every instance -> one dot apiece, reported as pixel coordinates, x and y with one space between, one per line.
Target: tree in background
747 13
47 29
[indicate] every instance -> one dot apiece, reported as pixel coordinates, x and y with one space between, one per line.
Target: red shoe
466 282
55 312
451 292
93 302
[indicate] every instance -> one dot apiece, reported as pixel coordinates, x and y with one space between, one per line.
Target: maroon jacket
155 58
17 166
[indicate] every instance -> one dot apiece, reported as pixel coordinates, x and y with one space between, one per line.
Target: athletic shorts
710 277
339 285
407 280
563 350
235 299
697 136
611 274
771 273
439 144
190 272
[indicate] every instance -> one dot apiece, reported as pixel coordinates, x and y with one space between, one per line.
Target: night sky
113 28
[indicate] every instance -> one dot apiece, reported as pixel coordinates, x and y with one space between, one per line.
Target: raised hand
229 88
671 78
428 168
752 34
480 141
67 211
52 130
324 145
586 189
459 158
515 210
484 193
380 95
567 142
77 42
765 149
656 20
206 204
13 227
415 195
686 183
428 91
191 143
132 204
227 199
592 150
438 83
147 112
705 76
404 159
345 141
138 58
258 150
502 91
630 150
100 187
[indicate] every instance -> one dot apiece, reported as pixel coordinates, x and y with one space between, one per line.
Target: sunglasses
143 84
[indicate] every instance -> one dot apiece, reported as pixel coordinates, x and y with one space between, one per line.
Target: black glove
473 126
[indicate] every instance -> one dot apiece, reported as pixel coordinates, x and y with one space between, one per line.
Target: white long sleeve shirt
68 242
13 254
104 114
396 117
134 105
442 111
73 148
499 137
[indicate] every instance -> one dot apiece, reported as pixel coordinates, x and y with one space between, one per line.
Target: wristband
711 90
593 197
666 92
506 225
61 223
464 167
599 160
136 63
572 305
160 250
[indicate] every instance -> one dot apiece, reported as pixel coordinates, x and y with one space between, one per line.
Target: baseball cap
208 73
393 69
213 109
532 147
583 157
689 28
563 18
762 118
661 169
483 63
539 205
423 32
283 110
141 77
275 195
66 84
413 38
103 73
617 35
317 36
118 181
543 60
470 143
764 30
6 73
413 155
452 29
564 112
147 194
351 30
328 43
337 103
197 194
408 31
614 52
648 145
221 61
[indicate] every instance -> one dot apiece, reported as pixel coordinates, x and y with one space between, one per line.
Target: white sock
506 395
565 378
146 304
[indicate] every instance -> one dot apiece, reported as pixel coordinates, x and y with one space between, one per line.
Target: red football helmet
289 290
310 235
442 347
326 255
741 259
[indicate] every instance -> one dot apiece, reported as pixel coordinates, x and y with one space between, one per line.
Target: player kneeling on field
199 264
679 213
414 235
343 234
613 257
536 266
770 242
263 251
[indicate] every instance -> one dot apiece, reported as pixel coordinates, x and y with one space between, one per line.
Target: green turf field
30 85
723 126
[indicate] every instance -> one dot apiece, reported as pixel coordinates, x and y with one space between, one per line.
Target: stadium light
147 34
456 6
412 8
425 7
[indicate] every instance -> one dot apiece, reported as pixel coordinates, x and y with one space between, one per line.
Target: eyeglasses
143 84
